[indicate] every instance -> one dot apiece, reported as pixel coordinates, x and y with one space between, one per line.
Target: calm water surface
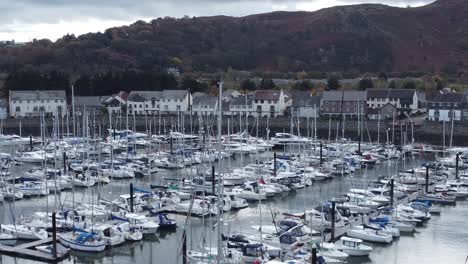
443 239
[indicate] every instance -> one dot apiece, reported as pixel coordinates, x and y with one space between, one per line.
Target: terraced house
33 103
152 102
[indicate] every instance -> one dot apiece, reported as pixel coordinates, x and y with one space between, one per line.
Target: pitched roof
445 97
37 95
88 100
391 93
346 95
310 101
267 95
242 100
157 95
205 100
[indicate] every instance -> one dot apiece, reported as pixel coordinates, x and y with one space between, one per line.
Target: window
141 106
56 100
18 109
42 101
259 108
166 107
178 108
59 109
263 101
269 101
27 101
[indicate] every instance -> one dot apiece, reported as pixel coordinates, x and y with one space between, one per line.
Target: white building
445 106
204 104
269 103
115 102
403 100
32 103
241 105
305 105
152 102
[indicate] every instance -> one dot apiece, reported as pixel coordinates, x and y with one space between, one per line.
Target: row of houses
373 104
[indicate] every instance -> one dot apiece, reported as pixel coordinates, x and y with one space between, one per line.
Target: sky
24 20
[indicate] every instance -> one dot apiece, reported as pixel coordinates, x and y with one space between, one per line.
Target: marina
274 200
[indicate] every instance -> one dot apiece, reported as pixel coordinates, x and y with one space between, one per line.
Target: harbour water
443 239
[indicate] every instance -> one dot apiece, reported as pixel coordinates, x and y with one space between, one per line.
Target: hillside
355 38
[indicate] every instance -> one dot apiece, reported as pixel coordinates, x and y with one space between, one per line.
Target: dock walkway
29 251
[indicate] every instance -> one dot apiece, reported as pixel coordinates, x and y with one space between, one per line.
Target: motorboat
329 250
137 221
371 235
250 192
353 247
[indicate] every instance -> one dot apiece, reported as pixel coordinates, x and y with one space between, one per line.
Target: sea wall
423 132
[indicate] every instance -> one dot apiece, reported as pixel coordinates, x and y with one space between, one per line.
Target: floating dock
29 251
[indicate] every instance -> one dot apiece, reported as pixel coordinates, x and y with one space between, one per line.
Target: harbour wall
400 132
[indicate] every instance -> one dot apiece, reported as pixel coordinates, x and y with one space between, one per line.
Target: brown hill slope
348 38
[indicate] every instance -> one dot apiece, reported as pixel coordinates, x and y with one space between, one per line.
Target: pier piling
456 166
332 238
131 197
274 164
427 179
213 180
64 163
54 236
313 260
30 143
321 153
392 190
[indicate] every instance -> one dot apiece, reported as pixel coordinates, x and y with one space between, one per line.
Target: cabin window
286 239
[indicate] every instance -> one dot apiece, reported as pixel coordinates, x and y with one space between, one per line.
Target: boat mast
219 256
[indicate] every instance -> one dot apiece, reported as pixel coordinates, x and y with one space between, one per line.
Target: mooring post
170 142
313 260
184 249
274 164
64 163
54 236
456 166
30 142
131 197
213 180
359 146
321 153
332 238
427 179
392 191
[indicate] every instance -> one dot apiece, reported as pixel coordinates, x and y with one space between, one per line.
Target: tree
409 85
248 85
192 85
383 76
392 85
267 84
365 83
303 86
333 83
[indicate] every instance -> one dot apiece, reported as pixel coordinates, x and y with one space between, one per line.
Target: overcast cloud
24 20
